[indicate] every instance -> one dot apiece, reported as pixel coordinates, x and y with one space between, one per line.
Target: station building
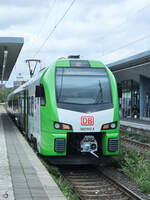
10 48
133 79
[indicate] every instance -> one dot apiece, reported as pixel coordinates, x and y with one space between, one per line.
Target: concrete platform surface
22 175
136 123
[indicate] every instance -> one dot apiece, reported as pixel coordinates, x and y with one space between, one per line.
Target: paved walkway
22 175
136 123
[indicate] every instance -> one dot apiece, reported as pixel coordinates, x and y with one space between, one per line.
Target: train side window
29 106
32 105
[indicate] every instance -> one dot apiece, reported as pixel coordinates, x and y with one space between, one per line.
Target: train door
22 109
26 112
37 127
35 102
30 113
34 115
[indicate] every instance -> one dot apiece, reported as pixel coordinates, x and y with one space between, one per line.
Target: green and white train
69 110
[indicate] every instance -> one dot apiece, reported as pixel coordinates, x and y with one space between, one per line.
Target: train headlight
62 126
111 125
57 125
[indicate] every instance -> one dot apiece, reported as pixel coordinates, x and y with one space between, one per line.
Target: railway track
137 133
140 145
92 184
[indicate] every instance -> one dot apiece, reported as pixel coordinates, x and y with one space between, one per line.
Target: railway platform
136 124
22 175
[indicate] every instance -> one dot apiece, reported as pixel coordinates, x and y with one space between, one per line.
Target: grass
136 167
63 184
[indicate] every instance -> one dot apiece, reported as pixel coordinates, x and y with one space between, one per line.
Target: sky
95 29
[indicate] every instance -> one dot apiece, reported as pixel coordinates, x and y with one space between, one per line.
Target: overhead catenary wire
117 27
126 45
54 28
50 8
124 22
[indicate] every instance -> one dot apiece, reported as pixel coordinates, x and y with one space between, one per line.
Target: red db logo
87 121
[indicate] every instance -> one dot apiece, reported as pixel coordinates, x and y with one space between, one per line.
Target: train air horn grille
60 145
112 145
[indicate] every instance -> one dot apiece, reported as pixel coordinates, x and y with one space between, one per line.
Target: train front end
86 121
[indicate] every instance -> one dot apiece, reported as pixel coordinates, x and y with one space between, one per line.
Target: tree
1 96
4 93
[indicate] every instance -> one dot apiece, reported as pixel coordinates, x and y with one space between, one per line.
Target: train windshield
83 86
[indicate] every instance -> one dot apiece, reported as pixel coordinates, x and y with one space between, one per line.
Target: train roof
77 62
61 62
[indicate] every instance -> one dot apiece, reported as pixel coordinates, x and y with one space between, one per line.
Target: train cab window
10 103
83 89
43 98
40 92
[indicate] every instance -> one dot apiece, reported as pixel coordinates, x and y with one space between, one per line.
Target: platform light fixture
4 64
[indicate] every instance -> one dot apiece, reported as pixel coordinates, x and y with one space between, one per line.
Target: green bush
135 166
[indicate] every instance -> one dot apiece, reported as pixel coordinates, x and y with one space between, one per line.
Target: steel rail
136 143
123 187
93 183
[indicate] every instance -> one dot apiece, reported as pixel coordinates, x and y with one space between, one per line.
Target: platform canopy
132 67
10 48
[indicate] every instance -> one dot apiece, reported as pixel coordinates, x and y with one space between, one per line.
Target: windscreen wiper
99 98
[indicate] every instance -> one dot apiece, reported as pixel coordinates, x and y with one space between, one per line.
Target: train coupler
89 144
